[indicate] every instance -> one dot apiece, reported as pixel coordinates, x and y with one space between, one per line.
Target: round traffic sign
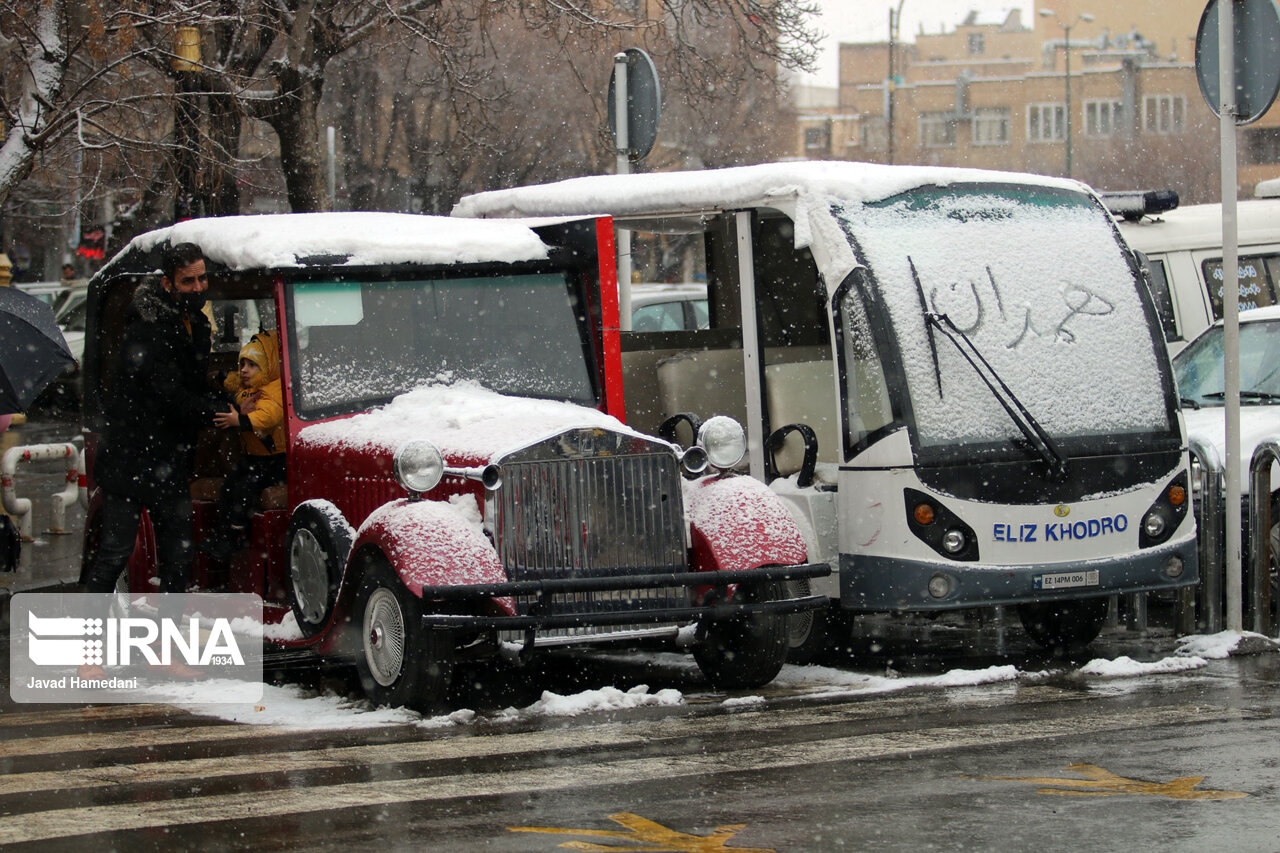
1256 43
644 103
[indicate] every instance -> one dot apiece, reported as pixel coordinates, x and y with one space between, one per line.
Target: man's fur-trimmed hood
153 303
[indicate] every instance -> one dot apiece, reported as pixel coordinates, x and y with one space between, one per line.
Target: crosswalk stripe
66 823
63 717
97 742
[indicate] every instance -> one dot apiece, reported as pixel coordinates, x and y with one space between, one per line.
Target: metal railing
1258 580
21 508
1200 610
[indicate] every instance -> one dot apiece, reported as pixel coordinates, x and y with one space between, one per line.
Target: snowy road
1105 755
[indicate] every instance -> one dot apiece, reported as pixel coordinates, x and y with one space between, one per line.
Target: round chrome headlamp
419 466
694 460
723 439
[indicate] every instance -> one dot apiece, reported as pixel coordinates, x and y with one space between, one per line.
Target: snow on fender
431 543
738 523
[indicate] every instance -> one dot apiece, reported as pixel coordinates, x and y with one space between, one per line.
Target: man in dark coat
158 402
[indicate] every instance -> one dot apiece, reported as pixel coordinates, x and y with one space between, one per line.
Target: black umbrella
32 350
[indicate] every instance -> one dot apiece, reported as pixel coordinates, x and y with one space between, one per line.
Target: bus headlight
418 467
1153 525
1166 514
723 439
953 541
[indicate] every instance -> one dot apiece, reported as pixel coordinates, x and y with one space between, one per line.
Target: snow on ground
293 707
1213 646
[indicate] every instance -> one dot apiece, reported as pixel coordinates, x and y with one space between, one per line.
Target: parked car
1183 249
1200 372
458 482
669 307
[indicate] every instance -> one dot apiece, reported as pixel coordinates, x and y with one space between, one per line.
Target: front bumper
541 615
878 584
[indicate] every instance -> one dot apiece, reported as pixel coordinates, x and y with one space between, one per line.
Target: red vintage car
458 474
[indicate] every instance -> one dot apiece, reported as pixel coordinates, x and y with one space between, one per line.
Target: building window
1262 144
1102 118
1046 122
991 126
977 44
937 130
817 141
1163 113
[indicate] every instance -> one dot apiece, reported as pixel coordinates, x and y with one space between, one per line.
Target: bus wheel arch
1069 623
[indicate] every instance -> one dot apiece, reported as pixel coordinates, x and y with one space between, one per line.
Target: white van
1184 252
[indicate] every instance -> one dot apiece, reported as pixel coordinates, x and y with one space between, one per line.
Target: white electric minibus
956 378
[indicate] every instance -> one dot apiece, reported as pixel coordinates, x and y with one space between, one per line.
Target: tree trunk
294 120
220 190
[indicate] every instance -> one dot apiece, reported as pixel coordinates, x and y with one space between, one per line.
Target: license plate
1066 580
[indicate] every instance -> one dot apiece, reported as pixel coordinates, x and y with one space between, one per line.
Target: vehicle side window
1159 282
659 317
866 390
1257 276
701 314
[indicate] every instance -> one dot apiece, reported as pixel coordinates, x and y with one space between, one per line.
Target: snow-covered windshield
360 343
1200 373
1036 279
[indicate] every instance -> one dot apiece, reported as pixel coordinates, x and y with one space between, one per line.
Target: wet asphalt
1053 760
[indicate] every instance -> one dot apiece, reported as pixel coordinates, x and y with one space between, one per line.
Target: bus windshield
1036 280
360 343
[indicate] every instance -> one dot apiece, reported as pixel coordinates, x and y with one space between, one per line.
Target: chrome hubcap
384 631
308 571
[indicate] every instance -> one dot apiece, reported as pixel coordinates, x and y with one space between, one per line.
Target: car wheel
317 549
400 662
746 650
1066 624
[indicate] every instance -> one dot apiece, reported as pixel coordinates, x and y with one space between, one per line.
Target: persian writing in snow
974 305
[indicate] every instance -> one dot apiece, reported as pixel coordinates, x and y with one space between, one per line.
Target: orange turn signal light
923 514
1177 495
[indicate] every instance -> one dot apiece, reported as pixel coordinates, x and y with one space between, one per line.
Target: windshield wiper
1188 403
1244 395
1023 419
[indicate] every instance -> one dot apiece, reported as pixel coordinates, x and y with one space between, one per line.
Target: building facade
996 94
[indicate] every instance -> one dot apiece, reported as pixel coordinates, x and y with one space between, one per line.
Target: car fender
432 543
738 523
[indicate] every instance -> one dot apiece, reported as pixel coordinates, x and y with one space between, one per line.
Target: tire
400 663
808 637
317 550
746 650
1066 624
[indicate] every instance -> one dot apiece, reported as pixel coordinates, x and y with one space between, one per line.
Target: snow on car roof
1199 226
276 241
740 186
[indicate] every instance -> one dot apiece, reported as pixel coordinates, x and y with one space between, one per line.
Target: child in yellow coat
259 415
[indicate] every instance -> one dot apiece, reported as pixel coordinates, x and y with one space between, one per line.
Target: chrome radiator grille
592 503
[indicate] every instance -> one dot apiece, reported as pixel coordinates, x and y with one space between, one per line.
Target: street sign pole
1230 306
622 146
1239 76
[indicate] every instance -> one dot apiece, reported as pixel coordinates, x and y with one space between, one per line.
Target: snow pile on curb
602 699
